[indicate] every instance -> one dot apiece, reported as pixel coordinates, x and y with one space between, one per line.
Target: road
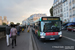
66 43
23 42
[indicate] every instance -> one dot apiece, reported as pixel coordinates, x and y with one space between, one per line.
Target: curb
30 43
34 43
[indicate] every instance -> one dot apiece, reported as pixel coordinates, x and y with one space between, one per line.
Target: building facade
4 20
57 9
32 18
65 9
0 20
72 10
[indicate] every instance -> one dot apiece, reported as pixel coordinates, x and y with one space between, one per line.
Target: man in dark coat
18 29
7 34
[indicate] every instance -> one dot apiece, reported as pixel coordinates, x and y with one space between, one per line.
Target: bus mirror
39 23
61 22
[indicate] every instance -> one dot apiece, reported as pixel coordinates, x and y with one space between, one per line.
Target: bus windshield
50 26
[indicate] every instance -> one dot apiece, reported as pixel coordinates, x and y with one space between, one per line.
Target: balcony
72 0
70 9
73 14
64 1
73 7
57 4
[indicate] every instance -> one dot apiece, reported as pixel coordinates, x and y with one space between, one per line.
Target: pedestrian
7 34
18 29
13 35
28 29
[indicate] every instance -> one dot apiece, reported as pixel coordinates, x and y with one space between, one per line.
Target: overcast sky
18 10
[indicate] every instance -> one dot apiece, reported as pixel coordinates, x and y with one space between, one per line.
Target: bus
47 28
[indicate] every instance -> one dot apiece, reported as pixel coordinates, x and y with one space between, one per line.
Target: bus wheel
60 37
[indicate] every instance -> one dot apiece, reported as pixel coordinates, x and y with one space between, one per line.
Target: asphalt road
66 43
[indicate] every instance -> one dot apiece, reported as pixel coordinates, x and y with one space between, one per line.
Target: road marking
69 38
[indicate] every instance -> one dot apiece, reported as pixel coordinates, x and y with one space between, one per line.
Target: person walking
18 29
7 34
13 32
28 29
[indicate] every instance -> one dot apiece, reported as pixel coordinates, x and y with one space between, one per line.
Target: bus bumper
54 37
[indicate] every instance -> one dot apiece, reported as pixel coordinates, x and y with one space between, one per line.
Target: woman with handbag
13 35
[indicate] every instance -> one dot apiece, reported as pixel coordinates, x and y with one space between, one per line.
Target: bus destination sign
45 18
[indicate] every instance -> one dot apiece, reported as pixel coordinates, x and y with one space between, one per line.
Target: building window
64 9
70 1
66 2
64 15
70 7
67 8
61 10
73 5
67 14
58 10
73 12
73 0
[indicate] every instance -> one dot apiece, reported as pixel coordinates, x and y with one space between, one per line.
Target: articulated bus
48 28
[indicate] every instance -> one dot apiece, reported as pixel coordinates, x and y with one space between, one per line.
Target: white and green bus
48 28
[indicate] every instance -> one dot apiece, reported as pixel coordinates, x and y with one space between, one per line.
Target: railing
73 14
70 2
64 1
70 9
2 31
73 7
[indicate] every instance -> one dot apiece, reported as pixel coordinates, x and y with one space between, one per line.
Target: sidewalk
23 42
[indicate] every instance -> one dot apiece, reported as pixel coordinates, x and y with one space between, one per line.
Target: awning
70 24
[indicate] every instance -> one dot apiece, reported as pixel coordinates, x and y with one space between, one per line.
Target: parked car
71 29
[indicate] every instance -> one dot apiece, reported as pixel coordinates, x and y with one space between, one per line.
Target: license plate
52 38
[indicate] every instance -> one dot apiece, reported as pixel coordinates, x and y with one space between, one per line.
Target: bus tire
60 37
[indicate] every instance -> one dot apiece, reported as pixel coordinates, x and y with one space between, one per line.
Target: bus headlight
60 35
42 34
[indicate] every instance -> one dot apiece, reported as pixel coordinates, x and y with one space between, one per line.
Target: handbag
10 35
